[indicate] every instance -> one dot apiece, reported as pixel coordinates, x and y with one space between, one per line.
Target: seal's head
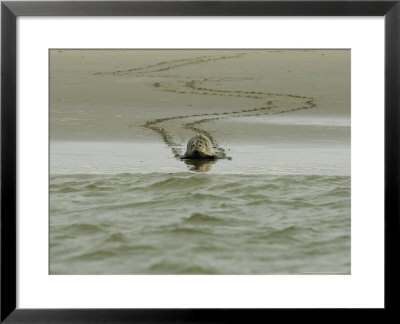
199 147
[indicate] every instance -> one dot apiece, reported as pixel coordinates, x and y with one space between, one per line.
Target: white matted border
363 288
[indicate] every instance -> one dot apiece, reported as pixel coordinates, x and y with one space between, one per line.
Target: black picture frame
11 10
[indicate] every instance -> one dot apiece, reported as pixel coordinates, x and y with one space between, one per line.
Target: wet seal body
199 147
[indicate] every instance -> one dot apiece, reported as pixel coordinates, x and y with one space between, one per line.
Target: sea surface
132 208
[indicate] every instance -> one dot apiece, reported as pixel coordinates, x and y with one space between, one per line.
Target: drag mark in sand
169 65
268 103
272 104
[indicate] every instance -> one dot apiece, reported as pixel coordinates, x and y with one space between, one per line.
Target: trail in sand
259 103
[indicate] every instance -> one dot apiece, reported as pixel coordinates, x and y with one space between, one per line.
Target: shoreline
317 158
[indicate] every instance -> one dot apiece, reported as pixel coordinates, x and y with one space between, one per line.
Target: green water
199 223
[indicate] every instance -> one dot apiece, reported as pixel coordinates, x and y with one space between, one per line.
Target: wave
190 223
132 191
202 218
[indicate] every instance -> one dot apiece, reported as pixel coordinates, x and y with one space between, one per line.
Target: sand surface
168 95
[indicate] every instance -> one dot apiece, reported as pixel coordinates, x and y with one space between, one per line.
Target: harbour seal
199 147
